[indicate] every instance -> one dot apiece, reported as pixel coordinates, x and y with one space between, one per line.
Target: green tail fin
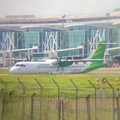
99 53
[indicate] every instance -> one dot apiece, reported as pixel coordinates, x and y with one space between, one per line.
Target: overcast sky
56 7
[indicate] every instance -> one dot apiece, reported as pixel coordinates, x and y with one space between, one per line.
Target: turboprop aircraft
57 66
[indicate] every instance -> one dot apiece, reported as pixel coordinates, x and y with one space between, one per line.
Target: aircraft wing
55 63
69 62
87 60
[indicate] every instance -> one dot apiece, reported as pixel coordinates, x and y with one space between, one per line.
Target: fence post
3 101
118 107
3 108
3 82
76 99
117 83
40 97
112 96
95 96
23 98
22 85
58 99
88 106
62 108
32 106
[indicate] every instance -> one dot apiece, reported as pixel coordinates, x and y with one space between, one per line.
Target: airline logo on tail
99 54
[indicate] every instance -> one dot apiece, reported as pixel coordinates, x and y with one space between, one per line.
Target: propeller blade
60 58
59 63
57 68
57 59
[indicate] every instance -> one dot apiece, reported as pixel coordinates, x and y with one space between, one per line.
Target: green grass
18 104
63 80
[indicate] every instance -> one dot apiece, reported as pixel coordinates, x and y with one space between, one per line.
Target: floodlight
104 80
97 79
117 79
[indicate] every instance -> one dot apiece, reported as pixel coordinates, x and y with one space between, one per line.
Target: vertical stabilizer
98 54
100 51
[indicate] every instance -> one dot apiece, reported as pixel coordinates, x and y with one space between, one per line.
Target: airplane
58 66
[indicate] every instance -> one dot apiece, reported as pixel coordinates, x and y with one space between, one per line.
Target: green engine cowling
65 63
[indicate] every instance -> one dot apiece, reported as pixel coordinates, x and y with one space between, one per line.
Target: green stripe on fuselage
94 66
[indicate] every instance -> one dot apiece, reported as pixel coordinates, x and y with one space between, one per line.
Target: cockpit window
20 65
17 65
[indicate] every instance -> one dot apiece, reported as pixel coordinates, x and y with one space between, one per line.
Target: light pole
63 32
107 15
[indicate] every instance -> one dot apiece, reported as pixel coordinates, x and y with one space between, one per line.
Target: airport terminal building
70 36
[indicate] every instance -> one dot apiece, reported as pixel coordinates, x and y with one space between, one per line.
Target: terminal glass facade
30 39
52 40
118 42
115 39
0 40
26 39
70 53
76 38
40 55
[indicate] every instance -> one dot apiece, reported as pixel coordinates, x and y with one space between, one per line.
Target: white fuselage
47 67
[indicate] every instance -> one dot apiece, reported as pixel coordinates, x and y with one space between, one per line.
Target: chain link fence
56 103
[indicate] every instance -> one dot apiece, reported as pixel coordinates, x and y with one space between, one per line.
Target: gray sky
56 7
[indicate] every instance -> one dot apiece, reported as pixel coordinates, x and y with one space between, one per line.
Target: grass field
63 80
10 81
18 104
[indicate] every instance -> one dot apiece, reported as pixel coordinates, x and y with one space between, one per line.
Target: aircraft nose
11 70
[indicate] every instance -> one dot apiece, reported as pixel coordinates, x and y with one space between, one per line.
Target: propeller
63 63
28 57
59 63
